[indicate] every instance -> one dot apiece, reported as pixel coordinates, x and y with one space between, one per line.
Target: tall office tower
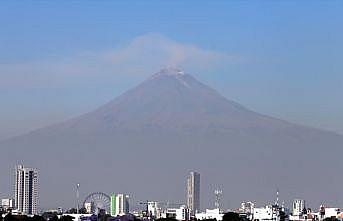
26 189
298 207
119 204
193 192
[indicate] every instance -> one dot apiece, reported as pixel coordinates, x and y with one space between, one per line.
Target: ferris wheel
98 201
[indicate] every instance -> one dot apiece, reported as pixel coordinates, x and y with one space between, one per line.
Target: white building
210 214
297 207
247 207
7 203
26 190
181 213
193 192
328 212
265 213
154 209
119 204
89 207
76 217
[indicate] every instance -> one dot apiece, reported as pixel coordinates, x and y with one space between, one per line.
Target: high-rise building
119 204
113 205
26 189
193 192
298 207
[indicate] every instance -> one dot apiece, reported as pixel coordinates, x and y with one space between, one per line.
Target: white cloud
155 49
143 55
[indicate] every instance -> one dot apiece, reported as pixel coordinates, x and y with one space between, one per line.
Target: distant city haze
146 141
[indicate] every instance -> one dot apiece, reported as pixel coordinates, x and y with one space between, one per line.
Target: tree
210 219
331 219
282 216
50 216
9 217
54 218
2 211
103 217
35 218
66 218
83 210
166 219
231 216
72 211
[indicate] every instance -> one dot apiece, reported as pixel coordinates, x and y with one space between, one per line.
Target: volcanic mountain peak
171 71
174 73
163 127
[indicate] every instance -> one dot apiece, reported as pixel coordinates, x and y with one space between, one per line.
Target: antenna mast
277 197
77 197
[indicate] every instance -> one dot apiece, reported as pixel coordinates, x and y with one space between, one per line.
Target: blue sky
62 58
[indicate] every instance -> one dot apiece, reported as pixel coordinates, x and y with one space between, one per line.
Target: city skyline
119 203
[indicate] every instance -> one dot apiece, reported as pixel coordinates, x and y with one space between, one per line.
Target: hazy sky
59 59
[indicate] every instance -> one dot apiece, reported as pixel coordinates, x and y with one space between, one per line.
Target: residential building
7 204
154 209
210 214
298 207
265 213
26 190
328 212
247 207
182 213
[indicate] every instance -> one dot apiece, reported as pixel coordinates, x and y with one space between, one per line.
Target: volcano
146 141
